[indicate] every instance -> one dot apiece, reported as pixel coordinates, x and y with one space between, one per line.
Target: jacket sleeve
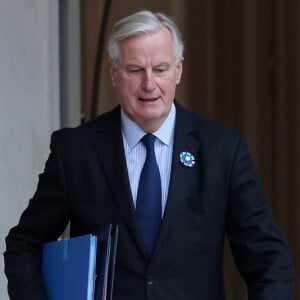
260 253
44 219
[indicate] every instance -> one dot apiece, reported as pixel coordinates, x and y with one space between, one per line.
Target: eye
134 70
160 70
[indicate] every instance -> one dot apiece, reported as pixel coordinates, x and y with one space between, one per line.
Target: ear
112 69
179 70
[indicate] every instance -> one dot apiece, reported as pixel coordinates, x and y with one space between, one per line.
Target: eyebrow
162 65
129 66
135 66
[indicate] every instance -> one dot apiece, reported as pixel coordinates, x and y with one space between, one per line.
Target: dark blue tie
148 203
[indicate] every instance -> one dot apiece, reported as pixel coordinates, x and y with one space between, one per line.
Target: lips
149 99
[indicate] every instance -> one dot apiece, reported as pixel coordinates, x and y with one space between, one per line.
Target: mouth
153 99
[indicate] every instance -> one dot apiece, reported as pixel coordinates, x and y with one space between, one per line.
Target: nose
148 83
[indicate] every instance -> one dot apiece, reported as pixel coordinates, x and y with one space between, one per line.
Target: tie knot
148 141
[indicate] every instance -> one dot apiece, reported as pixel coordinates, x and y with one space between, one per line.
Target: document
69 268
81 268
106 256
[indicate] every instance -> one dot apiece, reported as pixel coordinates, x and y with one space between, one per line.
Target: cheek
168 87
129 86
126 92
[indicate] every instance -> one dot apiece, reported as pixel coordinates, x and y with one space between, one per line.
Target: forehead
149 46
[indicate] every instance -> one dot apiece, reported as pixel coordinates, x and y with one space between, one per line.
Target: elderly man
175 182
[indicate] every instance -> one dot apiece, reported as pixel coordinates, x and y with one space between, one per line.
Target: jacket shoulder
105 122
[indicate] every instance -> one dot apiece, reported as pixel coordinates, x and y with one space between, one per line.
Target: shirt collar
133 133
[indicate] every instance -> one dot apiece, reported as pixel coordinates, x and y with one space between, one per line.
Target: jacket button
150 280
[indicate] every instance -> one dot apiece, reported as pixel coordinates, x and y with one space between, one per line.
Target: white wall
29 103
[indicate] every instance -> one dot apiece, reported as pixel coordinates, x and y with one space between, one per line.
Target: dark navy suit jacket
85 181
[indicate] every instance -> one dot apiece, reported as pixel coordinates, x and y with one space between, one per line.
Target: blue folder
81 268
69 268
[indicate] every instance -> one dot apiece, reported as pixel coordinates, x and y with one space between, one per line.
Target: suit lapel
182 180
110 151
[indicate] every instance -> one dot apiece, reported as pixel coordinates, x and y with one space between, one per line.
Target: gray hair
143 22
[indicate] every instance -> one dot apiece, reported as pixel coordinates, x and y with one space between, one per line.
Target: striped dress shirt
135 152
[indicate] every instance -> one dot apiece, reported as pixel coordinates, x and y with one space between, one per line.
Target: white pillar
29 103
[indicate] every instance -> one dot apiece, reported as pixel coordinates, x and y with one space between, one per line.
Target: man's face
145 78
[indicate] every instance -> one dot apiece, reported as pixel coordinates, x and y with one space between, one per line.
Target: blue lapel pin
187 159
